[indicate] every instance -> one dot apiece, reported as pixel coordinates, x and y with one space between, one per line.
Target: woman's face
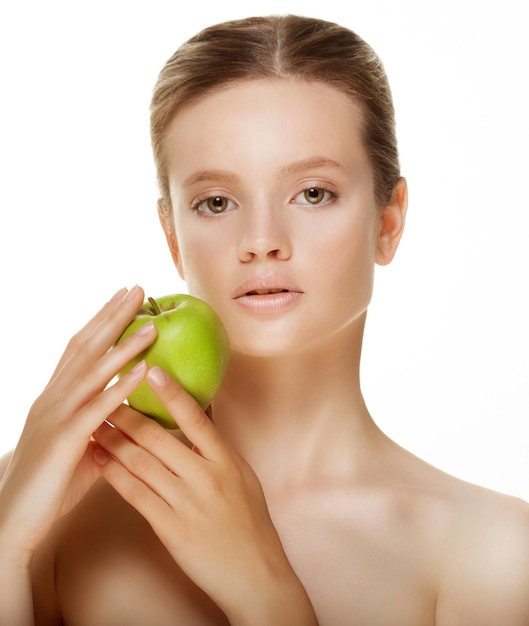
274 213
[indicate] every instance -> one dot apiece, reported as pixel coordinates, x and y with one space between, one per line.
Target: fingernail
157 376
119 295
146 329
131 293
101 457
139 367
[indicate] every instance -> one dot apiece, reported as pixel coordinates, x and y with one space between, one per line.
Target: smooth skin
285 504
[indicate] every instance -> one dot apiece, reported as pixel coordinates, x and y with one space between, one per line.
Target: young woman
280 191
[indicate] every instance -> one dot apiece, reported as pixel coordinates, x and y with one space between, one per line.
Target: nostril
264 242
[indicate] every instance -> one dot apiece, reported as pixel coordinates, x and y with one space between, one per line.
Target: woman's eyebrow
307 164
216 176
224 176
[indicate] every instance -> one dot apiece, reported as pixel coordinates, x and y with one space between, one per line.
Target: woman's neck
299 417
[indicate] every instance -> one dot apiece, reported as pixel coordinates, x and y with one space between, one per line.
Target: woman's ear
166 220
391 223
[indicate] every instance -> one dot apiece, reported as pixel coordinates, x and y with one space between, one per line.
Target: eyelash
195 206
333 196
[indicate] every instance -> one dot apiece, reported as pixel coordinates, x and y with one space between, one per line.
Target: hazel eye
213 205
314 196
218 204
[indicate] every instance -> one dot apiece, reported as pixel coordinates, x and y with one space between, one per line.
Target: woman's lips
269 303
263 292
267 294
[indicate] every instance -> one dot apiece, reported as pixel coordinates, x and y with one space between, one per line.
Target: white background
445 362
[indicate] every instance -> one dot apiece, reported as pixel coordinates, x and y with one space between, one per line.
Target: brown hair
288 47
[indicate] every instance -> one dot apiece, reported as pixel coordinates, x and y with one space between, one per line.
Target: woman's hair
286 47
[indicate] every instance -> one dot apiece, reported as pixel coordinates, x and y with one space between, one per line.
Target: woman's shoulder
485 570
458 503
482 546
487 526
468 522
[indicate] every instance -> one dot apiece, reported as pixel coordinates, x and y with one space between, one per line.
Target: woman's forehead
297 119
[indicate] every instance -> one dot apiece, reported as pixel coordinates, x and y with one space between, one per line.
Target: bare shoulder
476 521
484 570
482 545
490 525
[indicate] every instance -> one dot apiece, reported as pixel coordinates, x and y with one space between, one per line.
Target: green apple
191 345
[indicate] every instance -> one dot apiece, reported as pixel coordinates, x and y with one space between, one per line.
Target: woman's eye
213 205
314 196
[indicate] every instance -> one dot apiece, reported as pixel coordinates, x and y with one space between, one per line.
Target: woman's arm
16 603
52 466
15 581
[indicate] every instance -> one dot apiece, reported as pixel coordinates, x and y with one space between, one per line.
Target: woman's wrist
13 548
280 600
16 600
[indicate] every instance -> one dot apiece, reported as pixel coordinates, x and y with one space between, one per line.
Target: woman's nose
264 235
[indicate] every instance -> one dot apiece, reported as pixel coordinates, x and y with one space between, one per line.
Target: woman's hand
52 466
206 505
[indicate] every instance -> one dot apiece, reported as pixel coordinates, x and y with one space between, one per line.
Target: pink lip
267 294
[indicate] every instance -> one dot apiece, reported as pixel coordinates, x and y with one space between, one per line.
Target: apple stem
154 305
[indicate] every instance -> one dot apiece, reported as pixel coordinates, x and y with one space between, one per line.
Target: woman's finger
97 337
76 429
173 453
92 324
189 416
140 463
154 508
96 378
